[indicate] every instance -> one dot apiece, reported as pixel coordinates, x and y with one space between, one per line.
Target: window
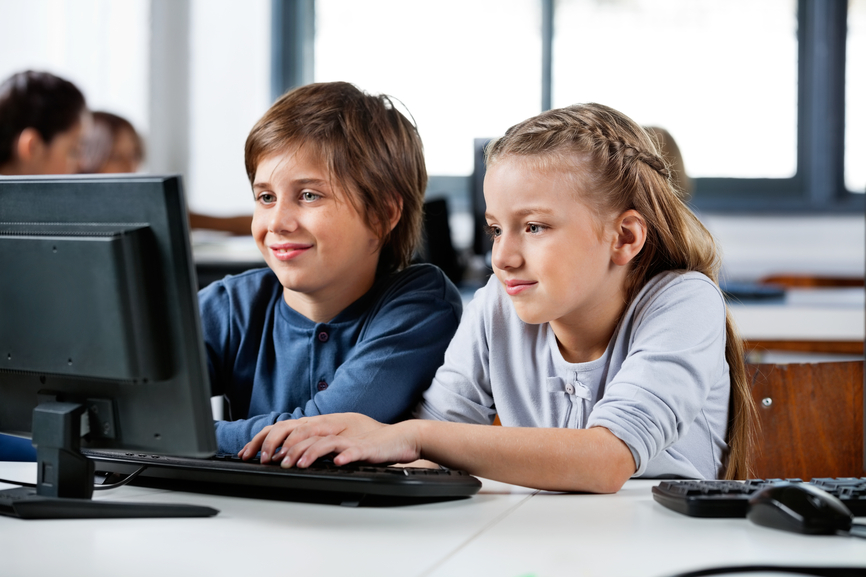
752 91
855 98
464 69
101 46
728 98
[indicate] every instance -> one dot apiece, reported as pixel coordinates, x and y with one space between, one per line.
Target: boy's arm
392 363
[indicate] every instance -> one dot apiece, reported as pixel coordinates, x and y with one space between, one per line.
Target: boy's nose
283 218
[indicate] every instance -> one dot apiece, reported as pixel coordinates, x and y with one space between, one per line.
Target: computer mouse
799 507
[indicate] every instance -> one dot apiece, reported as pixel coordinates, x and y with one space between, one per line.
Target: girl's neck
586 338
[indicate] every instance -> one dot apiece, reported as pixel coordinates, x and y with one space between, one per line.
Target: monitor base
24 503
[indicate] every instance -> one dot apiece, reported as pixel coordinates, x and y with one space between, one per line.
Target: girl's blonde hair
620 169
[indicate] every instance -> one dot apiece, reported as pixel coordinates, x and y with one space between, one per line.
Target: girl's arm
592 460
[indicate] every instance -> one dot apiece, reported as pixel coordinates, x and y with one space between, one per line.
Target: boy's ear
630 228
395 212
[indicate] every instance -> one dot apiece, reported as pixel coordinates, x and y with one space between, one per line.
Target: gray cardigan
662 386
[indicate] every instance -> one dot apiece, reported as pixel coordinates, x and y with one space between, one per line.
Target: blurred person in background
111 145
41 121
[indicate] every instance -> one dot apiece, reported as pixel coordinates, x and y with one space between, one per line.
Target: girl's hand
398 443
275 440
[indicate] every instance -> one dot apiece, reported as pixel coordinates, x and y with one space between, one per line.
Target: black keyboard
323 481
731 498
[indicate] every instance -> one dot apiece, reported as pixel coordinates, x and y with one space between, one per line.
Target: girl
602 343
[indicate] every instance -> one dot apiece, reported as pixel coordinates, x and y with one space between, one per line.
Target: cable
816 571
19 483
122 482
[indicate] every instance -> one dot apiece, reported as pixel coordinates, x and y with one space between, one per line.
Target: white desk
834 314
503 531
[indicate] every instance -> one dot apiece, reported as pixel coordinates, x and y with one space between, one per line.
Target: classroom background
766 100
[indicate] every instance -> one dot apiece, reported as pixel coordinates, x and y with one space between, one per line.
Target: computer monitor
100 337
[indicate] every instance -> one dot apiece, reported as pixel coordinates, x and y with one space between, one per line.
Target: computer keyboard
731 498
347 484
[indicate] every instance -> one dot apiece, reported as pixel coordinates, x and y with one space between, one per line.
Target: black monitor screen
98 309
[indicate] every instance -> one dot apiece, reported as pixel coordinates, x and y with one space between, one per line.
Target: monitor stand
65 477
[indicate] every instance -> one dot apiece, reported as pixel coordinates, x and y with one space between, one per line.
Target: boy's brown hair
368 148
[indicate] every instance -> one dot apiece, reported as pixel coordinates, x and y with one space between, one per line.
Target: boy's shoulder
244 286
416 283
419 276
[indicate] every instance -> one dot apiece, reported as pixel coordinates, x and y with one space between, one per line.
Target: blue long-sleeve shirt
376 357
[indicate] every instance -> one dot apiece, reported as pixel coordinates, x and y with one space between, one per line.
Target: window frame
817 187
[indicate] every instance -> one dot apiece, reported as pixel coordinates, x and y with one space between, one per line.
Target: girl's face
548 251
310 234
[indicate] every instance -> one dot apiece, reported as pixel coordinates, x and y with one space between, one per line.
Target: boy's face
311 236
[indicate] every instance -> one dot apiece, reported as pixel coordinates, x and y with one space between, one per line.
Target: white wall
229 92
99 45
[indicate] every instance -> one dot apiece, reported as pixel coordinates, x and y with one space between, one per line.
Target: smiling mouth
286 252
515 287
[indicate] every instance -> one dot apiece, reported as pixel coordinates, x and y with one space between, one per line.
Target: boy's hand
275 440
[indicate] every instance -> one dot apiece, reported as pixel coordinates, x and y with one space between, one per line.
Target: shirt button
323 336
322 385
569 388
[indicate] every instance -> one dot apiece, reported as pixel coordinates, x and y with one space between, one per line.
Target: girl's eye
535 228
308 196
494 231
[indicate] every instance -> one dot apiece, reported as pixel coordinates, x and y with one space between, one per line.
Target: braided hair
617 167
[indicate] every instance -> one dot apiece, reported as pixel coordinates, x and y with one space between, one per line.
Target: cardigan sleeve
676 354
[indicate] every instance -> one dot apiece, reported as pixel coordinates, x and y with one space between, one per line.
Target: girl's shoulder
680 289
681 280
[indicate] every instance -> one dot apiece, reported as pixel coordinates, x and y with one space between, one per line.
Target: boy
338 321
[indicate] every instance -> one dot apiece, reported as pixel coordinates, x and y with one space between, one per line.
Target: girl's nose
506 253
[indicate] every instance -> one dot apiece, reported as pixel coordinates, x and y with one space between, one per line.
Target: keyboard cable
96 487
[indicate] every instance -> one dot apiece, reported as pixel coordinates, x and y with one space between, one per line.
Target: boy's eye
267 198
308 196
535 228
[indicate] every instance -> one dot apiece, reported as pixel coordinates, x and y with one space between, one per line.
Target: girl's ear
630 237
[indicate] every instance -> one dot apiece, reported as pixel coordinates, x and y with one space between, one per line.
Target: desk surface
805 314
504 531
